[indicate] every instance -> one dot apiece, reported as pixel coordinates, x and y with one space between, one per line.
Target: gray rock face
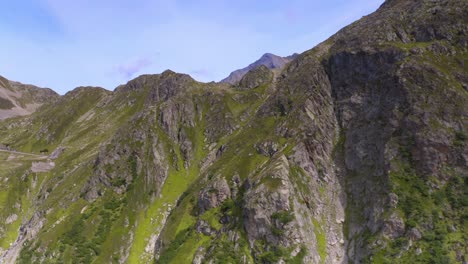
169 85
126 163
12 218
204 228
199 256
256 77
263 199
406 21
415 234
267 148
375 106
214 194
365 116
27 232
393 227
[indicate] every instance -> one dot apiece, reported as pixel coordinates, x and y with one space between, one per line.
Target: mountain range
354 151
17 99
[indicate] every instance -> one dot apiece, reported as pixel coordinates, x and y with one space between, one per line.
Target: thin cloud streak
128 70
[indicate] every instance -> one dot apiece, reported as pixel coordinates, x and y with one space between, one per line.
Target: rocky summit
270 61
356 151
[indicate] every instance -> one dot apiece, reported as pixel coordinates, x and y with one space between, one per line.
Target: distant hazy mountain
271 61
17 99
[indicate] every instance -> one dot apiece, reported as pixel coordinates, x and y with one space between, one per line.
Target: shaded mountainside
271 61
17 99
355 153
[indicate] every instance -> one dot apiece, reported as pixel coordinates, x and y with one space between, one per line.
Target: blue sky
63 44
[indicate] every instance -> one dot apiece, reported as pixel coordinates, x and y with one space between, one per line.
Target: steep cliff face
355 153
400 101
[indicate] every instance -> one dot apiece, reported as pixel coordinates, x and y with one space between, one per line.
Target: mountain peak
270 60
167 72
269 55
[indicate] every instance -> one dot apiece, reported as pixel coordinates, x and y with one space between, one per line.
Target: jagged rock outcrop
267 148
256 77
27 232
214 195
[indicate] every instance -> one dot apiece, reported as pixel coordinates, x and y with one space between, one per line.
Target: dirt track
24 153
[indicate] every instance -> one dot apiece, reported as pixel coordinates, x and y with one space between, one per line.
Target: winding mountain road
23 153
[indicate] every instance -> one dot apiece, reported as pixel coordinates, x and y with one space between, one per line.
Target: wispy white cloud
130 69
